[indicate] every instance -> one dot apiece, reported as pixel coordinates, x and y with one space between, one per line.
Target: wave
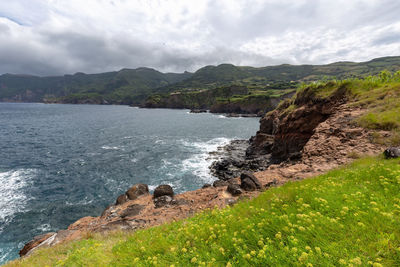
112 148
199 163
12 196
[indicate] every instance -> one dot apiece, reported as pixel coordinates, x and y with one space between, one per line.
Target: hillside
207 88
126 86
344 217
134 86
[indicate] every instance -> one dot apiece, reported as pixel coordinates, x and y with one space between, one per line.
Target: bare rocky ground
335 141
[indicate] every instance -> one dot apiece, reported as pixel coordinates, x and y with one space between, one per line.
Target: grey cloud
49 50
387 39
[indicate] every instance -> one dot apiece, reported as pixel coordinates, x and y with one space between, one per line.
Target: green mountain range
151 88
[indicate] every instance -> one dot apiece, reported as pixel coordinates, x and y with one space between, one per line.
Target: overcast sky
51 37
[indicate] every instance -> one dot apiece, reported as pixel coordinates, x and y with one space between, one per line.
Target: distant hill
126 86
134 86
225 74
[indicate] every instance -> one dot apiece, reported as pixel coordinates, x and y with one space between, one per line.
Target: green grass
379 94
347 217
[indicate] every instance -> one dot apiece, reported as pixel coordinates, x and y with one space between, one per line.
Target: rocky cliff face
284 132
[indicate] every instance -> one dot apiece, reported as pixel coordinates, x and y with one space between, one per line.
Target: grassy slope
379 94
347 216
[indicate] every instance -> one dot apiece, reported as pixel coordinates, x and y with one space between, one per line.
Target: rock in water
163 190
137 190
234 189
392 153
249 175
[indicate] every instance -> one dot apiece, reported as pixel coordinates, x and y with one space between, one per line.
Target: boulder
234 189
248 184
250 176
132 210
137 190
121 199
392 152
220 183
163 201
163 190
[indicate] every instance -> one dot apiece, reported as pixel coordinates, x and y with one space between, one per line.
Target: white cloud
56 37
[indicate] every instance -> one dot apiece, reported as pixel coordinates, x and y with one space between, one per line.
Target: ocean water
59 163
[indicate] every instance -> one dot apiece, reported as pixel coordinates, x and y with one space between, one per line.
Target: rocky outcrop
36 241
231 160
133 193
136 191
284 132
163 190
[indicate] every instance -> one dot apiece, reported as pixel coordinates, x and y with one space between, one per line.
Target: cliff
227 99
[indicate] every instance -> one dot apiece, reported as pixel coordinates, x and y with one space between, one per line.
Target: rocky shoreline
309 140
232 159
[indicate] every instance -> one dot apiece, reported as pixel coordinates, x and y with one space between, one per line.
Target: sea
59 163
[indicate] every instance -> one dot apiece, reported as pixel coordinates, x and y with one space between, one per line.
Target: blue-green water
59 163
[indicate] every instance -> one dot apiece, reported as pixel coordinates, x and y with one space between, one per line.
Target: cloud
56 37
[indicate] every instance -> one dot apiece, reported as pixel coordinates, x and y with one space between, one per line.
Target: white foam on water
199 163
160 142
112 148
12 197
82 202
44 227
4 253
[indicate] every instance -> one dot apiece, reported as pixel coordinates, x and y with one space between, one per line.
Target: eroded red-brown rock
137 190
36 241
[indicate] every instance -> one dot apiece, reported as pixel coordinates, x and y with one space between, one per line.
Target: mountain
126 86
134 86
216 87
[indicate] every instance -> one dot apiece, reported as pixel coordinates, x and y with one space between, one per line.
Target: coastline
146 211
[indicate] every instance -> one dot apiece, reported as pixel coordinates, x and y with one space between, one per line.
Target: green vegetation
379 94
224 99
347 217
134 86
